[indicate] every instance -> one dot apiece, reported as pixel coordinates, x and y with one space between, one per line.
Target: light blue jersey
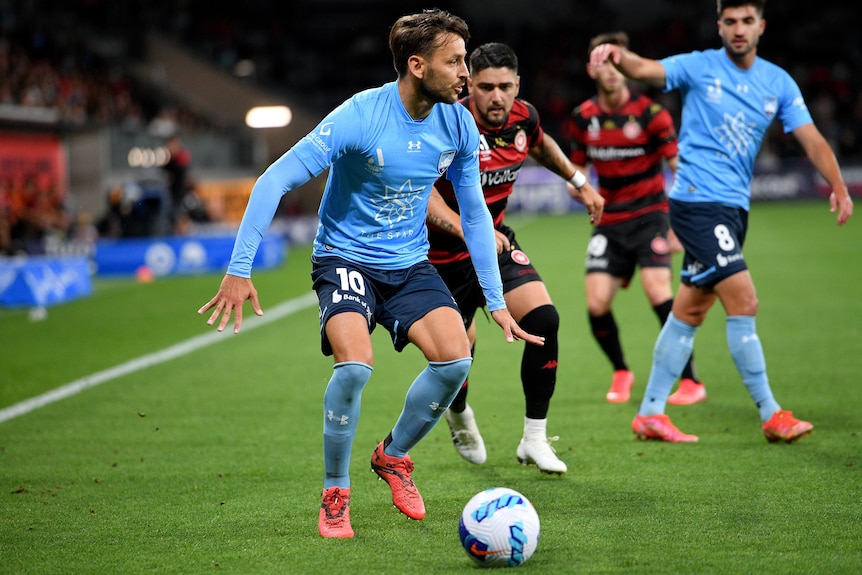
726 112
375 202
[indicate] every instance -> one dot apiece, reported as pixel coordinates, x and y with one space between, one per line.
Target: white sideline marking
250 322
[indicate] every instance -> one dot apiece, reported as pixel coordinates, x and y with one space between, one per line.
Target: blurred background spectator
74 66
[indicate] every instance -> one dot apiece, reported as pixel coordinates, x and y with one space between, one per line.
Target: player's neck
743 62
610 101
417 105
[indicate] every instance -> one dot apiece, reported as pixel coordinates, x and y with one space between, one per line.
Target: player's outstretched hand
591 199
512 330
844 205
232 294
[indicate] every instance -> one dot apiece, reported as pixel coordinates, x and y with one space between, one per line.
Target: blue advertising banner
179 255
43 281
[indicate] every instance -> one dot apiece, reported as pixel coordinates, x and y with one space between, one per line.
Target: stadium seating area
73 59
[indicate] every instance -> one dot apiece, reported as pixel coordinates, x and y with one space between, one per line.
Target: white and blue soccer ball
499 527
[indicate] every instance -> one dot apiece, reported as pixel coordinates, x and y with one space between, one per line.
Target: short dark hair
417 34
720 5
619 38
493 55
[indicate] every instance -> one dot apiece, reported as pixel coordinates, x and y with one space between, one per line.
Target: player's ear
469 85
517 85
416 65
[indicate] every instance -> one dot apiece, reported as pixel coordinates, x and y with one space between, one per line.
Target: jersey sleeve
308 158
475 218
283 175
676 70
481 242
662 129
792 112
577 149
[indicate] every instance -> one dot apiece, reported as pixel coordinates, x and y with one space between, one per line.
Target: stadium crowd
74 58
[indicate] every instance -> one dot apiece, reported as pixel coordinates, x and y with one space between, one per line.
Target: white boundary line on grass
280 311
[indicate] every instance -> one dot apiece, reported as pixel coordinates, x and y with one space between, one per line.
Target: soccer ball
499 527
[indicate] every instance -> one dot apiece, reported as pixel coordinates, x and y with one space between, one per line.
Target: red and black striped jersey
626 148
502 152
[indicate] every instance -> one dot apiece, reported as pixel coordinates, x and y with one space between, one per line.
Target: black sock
608 337
539 363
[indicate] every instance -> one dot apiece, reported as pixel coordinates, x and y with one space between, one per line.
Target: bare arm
673 242
441 216
632 66
549 154
821 155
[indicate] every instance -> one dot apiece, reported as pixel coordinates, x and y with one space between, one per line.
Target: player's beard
433 92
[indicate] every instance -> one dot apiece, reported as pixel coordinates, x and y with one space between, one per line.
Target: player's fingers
216 312
225 317
207 305
237 319
255 304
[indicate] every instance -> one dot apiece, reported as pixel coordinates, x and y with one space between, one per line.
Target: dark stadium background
194 67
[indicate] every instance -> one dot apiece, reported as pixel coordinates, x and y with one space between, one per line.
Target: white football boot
465 435
535 448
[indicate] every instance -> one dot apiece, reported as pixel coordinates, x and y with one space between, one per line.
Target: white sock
535 428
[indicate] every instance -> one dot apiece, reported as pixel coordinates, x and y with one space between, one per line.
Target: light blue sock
341 403
428 397
747 354
670 354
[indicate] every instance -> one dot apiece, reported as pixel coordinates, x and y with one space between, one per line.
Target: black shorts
395 299
515 271
618 249
713 235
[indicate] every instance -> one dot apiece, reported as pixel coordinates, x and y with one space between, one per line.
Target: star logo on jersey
397 203
736 134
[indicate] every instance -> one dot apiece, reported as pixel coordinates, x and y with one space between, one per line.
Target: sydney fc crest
770 106
445 161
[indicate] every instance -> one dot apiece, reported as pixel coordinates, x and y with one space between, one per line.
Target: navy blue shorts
395 299
618 249
713 235
515 270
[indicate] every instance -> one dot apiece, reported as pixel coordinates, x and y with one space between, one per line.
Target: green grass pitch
211 462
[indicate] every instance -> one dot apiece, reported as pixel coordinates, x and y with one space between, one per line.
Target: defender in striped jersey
509 131
627 137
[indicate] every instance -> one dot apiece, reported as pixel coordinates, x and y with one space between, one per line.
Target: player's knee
543 320
349 378
452 373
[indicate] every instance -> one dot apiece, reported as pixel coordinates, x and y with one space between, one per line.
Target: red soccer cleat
396 472
335 514
621 386
782 426
659 427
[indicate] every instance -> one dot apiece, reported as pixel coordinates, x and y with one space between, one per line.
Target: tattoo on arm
444 225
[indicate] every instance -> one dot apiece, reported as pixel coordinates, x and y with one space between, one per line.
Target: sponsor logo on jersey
609 153
713 91
414 146
723 260
498 177
445 160
397 204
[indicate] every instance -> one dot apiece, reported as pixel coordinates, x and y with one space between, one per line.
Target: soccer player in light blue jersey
729 98
384 147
